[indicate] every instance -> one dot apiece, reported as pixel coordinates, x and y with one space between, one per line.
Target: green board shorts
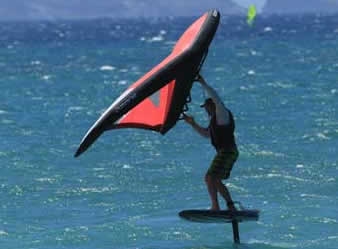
222 163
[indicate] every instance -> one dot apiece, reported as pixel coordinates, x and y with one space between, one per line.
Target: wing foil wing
157 99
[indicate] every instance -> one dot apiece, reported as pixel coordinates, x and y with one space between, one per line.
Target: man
221 132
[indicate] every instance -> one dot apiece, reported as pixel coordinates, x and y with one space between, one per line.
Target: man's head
209 106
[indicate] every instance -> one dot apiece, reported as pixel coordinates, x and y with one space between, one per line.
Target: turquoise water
280 80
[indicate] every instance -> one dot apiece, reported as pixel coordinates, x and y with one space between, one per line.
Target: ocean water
280 79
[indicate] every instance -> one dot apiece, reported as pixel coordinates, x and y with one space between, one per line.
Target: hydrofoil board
222 216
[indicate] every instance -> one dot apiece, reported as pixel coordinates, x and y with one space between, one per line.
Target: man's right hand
200 79
189 119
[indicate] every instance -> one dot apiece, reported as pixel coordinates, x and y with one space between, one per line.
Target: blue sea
280 79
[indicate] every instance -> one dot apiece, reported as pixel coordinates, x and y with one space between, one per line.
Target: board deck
223 216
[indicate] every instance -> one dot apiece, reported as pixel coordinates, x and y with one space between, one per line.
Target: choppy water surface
280 80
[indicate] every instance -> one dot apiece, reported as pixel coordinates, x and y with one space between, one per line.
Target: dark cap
207 102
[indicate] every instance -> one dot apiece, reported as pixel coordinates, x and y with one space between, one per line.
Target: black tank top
222 136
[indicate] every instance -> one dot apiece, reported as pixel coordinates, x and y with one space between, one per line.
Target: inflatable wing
251 14
157 99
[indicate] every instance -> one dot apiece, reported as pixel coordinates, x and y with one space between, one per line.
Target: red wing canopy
152 113
157 99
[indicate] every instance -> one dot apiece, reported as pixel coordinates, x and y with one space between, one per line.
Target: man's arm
222 114
200 130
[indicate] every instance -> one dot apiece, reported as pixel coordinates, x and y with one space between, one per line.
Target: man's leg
212 189
223 190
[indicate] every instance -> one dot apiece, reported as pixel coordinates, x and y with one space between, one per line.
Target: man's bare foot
215 208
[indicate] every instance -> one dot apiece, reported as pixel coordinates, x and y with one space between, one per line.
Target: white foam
75 108
122 82
36 63
46 77
267 29
322 136
3 233
157 38
251 72
45 179
126 166
107 68
280 84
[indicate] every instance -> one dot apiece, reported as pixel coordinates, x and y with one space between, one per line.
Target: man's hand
189 119
200 79
204 132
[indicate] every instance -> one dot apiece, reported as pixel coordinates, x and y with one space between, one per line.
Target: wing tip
78 152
